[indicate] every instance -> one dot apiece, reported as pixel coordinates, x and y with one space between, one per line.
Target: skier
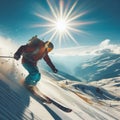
33 51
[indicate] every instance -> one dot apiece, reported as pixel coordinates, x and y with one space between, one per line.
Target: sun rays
64 23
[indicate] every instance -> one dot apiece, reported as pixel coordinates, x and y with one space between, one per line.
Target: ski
46 100
63 108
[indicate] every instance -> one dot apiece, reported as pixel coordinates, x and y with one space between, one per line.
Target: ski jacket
31 54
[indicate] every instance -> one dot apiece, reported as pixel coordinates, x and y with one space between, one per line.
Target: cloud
10 68
7 46
104 47
105 43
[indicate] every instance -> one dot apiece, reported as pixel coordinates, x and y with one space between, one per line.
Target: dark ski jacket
31 54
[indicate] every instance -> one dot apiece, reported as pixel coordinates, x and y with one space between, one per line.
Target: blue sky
16 17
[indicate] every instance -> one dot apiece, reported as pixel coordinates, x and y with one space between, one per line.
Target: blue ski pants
34 75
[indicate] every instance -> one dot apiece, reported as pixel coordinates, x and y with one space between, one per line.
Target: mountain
99 67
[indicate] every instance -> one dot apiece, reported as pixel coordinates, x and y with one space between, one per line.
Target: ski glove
17 57
55 70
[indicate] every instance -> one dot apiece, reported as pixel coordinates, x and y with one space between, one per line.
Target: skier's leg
34 75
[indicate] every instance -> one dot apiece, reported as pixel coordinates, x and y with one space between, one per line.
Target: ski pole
6 57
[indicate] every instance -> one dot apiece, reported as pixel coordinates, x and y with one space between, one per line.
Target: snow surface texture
97 100
88 101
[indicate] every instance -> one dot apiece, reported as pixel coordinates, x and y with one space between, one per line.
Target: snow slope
98 100
17 103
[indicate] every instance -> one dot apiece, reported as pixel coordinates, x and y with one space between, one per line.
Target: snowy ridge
100 67
92 91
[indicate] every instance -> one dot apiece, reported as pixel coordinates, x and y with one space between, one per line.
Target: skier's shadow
11 104
14 104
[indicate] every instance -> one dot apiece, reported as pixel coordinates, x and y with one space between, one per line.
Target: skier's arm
19 52
48 61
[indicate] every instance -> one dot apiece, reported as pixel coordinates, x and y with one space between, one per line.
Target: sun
61 25
62 22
